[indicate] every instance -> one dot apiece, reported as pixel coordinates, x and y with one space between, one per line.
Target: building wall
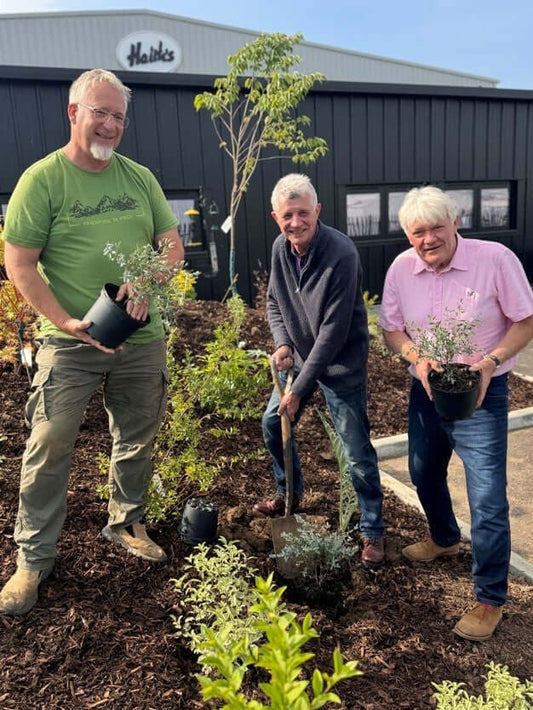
89 39
380 138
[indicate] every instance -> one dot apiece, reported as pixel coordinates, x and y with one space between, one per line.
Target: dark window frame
385 236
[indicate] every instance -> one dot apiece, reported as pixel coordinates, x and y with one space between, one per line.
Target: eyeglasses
102 115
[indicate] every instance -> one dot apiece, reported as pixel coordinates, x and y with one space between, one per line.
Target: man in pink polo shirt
441 272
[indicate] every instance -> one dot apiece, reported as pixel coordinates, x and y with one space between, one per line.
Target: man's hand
283 358
486 367
136 308
78 329
289 405
423 367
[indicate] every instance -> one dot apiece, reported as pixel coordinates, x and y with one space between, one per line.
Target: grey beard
101 152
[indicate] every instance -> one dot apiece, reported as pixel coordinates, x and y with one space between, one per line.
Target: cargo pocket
37 410
164 395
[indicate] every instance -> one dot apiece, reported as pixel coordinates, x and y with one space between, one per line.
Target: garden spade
288 523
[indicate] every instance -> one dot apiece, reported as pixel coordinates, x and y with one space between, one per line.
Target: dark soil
101 634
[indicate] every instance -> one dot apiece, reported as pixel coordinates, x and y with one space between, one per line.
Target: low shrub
319 553
215 591
281 655
502 692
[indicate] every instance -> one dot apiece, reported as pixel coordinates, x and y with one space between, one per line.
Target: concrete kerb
518 565
396 446
391 447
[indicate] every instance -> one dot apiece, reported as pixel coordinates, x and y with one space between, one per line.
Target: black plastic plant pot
455 400
199 522
111 325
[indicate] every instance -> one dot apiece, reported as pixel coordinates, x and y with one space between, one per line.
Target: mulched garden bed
101 635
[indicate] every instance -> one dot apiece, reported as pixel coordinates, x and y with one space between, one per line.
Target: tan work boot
427 551
135 540
479 623
20 591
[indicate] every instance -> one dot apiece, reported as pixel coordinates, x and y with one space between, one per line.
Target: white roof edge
254 33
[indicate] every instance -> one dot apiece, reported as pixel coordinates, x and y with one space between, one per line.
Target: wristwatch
494 359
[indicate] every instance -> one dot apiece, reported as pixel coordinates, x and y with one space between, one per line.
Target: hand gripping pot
111 324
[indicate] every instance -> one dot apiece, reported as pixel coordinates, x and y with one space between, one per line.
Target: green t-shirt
71 214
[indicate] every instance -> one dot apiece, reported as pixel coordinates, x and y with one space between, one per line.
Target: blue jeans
347 405
481 443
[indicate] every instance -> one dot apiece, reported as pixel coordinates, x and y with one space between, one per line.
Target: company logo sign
149 51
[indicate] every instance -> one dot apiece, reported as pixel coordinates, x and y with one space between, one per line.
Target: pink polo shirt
485 278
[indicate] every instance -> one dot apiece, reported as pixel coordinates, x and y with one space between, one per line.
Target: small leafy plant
502 692
228 378
146 268
319 553
215 591
445 340
281 655
348 501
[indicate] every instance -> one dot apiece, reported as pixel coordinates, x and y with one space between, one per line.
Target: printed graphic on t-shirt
105 212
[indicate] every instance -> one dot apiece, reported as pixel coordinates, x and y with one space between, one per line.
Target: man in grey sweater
318 321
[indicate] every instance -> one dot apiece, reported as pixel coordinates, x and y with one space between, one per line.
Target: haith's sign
149 51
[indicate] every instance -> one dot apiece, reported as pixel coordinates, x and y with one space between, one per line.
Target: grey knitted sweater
320 314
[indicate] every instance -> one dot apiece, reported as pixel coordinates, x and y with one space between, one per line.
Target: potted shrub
454 390
149 272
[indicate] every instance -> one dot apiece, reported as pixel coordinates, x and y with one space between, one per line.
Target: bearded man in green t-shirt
64 210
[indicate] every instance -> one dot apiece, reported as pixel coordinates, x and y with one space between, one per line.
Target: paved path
520 488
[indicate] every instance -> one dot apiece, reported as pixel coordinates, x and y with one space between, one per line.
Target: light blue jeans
481 443
135 386
346 402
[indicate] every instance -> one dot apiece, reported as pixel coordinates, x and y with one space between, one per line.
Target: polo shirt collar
459 260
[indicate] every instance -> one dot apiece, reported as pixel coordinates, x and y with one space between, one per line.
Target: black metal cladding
378 135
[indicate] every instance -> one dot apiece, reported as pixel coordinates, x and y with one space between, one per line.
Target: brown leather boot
20 591
427 551
373 553
479 623
135 539
274 506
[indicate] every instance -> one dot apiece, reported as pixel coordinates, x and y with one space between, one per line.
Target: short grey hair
89 78
426 204
291 187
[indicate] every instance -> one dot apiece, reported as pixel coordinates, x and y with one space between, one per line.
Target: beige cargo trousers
135 391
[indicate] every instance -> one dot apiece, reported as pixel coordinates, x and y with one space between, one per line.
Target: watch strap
495 360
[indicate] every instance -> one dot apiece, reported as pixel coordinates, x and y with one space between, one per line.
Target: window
395 202
464 199
373 211
186 208
362 214
495 207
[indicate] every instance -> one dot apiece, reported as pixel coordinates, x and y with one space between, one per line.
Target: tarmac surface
394 467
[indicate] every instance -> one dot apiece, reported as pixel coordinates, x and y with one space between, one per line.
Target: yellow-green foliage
280 655
182 286
502 692
17 318
215 591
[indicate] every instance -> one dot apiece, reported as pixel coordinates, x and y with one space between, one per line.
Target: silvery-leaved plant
147 269
445 339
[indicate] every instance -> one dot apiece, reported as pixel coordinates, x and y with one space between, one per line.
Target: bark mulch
101 634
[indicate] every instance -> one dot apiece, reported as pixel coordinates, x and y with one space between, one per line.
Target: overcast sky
490 38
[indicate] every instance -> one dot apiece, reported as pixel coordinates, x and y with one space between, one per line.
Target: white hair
89 78
292 186
426 204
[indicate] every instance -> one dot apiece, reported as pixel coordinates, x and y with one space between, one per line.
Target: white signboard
149 51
